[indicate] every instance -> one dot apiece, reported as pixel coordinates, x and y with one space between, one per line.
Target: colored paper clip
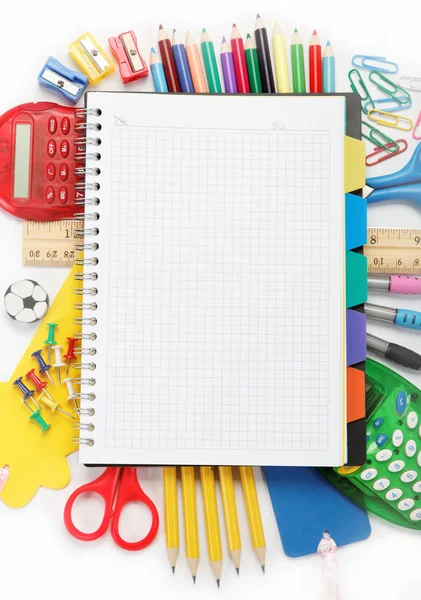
381 60
380 139
415 134
387 119
411 83
389 87
392 104
382 154
91 58
360 84
63 80
125 50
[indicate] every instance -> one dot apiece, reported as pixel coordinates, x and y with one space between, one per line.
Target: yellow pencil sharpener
91 58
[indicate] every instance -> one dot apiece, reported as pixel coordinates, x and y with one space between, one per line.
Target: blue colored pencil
181 62
158 74
328 70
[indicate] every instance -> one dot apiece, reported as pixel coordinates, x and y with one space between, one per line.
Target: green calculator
389 483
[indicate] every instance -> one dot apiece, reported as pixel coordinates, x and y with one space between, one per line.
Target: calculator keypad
408 476
384 455
397 438
396 466
410 448
412 420
406 504
394 494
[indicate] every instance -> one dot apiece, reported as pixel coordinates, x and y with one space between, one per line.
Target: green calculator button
408 476
412 419
381 484
396 466
383 455
410 448
394 494
406 504
397 438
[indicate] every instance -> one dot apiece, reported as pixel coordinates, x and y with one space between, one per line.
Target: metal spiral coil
85 156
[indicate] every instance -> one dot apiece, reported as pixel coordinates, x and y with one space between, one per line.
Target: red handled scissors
119 484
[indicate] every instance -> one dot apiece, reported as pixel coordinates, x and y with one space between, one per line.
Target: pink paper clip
383 154
4 476
417 134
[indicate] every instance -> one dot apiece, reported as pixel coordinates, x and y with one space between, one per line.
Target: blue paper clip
392 104
388 66
63 80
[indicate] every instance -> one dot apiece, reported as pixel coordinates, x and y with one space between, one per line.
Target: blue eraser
70 84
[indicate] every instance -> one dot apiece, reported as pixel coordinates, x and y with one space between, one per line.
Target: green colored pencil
253 66
297 60
211 66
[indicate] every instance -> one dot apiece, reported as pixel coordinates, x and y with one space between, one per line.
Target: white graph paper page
220 281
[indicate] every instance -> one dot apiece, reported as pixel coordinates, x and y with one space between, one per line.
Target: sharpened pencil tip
224 39
295 30
328 43
238 570
314 32
204 30
234 25
258 16
173 30
217 582
248 36
263 568
160 27
153 50
194 578
173 569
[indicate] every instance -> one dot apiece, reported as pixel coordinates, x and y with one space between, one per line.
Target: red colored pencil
240 65
315 64
168 61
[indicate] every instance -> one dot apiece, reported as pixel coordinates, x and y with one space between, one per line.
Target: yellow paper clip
387 119
91 58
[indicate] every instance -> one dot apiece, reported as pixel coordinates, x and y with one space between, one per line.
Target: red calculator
37 161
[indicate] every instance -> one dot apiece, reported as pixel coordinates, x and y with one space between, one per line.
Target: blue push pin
402 185
43 367
27 393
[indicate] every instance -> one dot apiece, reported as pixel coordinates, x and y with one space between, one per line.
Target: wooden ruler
393 251
50 244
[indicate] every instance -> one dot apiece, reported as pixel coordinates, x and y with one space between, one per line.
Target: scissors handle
130 491
106 486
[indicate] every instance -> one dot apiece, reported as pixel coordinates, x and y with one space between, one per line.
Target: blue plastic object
384 66
395 104
400 404
70 84
27 393
41 362
408 318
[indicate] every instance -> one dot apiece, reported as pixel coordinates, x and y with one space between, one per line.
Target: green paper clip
389 87
360 88
36 416
379 139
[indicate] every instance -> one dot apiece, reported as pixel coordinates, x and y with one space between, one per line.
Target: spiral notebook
219 261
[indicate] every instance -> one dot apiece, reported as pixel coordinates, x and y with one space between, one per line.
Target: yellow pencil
171 514
191 531
212 521
281 62
253 514
231 516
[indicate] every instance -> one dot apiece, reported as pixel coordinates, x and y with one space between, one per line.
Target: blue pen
181 62
328 70
402 317
158 74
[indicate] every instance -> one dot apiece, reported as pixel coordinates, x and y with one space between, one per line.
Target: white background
37 557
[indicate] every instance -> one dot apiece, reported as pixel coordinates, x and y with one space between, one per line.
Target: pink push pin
58 362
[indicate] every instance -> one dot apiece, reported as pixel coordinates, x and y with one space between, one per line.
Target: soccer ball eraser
26 301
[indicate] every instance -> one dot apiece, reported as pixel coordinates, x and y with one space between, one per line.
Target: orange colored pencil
195 64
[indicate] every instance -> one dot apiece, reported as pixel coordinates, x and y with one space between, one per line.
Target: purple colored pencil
228 70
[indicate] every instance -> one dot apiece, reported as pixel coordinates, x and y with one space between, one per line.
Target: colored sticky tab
355 392
356 279
354 168
305 504
355 221
356 343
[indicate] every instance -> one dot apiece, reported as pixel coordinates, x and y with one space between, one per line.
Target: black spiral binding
89 232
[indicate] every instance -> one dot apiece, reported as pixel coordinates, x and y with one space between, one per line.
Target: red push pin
70 355
39 385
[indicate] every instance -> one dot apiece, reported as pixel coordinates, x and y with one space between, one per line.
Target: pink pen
395 284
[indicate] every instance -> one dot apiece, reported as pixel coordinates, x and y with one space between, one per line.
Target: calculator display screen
22 160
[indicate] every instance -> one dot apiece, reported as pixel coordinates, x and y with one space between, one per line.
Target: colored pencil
211 66
213 532
230 513
168 61
315 64
158 74
171 514
228 70
297 60
253 513
240 64
182 64
281 62
262 45
253 66
191 530
328 70
195 64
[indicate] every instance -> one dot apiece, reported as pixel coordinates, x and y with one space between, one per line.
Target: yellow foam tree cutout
37 458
